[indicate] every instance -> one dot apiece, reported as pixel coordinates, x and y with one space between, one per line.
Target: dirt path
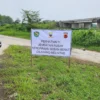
86 55
76 53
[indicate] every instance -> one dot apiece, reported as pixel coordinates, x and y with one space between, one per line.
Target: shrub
49 25
86 37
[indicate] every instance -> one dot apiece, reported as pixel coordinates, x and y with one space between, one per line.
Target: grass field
49 78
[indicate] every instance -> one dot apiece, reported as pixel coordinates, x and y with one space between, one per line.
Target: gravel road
76 53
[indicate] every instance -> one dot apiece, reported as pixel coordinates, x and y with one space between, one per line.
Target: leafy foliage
5 20
30 16
86 37
49 25
17 21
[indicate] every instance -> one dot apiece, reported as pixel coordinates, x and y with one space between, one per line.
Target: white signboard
51 42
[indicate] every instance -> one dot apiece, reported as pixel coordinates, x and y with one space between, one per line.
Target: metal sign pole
31 52
69 60
31 61
0 44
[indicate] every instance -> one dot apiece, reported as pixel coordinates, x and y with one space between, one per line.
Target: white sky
52 9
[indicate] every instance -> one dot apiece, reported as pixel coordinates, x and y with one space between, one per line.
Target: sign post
0 44
51 43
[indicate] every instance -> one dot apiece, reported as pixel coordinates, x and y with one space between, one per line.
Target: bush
49 25
86 38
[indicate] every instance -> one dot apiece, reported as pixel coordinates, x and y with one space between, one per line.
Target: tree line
28 16
5 20
30 19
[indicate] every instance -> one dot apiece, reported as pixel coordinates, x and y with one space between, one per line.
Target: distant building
80 23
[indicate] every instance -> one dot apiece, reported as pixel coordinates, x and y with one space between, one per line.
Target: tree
30 17
5 20
17 21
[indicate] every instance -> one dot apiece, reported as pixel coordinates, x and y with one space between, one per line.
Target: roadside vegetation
87 39
49 78
81 38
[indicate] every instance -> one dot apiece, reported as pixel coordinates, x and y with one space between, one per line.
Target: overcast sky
52 9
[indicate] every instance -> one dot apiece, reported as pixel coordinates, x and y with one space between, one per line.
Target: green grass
15 33
89 39
49 78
